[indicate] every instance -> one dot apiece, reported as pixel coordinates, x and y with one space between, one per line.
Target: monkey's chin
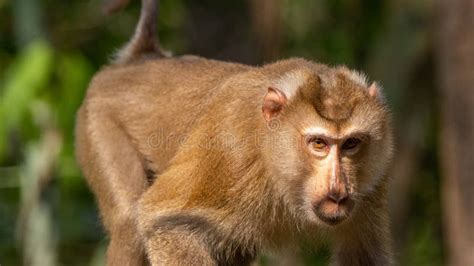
332 214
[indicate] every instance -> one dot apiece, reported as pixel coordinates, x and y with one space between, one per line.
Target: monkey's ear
273 103
375 91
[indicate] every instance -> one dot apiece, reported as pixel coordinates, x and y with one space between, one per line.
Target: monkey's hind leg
114 171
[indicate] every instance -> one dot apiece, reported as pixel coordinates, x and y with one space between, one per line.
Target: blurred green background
49 50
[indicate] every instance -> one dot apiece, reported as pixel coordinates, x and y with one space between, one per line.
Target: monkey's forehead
334 92
289 76
339 93
359 117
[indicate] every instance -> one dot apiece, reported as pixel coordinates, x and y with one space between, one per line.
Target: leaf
29 74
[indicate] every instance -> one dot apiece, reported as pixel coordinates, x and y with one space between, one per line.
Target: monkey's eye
317 143
351 143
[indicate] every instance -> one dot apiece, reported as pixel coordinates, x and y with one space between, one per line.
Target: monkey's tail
145 42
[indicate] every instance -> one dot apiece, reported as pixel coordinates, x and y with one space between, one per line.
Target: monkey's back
156 102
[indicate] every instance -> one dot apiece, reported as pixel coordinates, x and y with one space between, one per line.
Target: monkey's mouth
333 213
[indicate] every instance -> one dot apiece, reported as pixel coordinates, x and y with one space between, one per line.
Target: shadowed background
421 51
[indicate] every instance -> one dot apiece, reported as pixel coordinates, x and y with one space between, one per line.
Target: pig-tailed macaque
202 162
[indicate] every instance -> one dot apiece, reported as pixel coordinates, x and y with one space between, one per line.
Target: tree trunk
455 52
266 23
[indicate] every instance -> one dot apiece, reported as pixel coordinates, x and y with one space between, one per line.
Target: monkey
195 161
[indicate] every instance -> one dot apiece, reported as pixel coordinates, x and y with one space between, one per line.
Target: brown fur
229 182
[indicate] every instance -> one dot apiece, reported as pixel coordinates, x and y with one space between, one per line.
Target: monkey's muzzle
334 208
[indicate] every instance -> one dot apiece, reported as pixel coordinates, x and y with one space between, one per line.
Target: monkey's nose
338 197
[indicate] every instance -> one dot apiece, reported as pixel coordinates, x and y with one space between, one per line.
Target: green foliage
27 76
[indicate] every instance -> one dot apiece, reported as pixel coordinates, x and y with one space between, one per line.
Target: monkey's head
330 141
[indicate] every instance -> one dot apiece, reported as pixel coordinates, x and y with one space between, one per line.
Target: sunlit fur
188 170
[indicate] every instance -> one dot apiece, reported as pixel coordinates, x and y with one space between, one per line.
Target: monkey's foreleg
177 247
178 238
172 234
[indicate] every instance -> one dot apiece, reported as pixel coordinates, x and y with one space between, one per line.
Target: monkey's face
336 176
342 149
